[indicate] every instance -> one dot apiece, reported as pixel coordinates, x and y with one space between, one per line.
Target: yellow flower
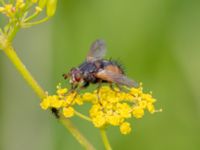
9 10
45 104
70 99
90 97
108 107
105 90
56 103
150 108
78 100
124 110
125 128
68 112
99 121
135 92
112 99
148 98
127 96
115 120
95 110
142 104
61 91
138 112
51 101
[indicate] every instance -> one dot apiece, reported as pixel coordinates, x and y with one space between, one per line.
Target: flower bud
51 7
38 9
34 1
42 3
2 9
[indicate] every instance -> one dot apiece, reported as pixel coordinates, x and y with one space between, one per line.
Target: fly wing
116 78
97 50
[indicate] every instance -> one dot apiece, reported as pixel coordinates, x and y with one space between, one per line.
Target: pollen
107 106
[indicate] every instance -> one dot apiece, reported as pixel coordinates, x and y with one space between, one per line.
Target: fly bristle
118 64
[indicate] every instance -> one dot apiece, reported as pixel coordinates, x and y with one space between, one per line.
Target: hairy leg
114 89
98 90
85 85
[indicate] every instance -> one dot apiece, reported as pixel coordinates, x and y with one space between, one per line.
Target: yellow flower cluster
108 106
10 9
15 9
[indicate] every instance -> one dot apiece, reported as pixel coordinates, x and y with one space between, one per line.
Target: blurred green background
158 42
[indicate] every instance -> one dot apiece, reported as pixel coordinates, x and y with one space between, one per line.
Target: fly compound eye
78 77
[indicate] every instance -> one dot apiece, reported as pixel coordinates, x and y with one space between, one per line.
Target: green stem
12 55
105 139
29 24
13 33
32 16
82 116
82 140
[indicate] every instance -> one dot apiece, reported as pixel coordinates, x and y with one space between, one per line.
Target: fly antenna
65 76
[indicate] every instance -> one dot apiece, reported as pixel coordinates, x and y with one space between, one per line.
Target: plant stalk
82 140
105 139
12 55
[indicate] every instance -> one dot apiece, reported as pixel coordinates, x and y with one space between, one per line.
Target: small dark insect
55 111
95 69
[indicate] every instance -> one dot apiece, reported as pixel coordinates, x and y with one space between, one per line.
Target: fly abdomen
113 66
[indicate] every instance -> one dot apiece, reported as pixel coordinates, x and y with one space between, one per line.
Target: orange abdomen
113 68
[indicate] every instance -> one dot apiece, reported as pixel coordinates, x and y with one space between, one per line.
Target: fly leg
73 88
85 85
78 89
98 90
74 91
118 89
112 87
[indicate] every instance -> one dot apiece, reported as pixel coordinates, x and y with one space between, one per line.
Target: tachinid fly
96 69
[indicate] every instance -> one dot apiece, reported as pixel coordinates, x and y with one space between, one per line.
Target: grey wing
97 50
116 78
